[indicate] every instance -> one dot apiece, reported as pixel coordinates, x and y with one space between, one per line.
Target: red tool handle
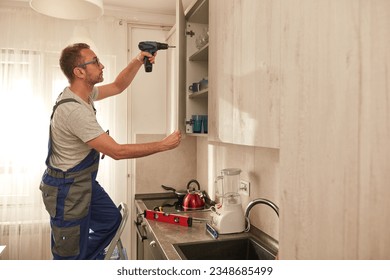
168 218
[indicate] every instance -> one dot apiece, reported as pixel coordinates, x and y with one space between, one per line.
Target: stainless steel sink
245 248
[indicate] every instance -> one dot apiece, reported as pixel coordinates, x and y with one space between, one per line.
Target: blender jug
230 182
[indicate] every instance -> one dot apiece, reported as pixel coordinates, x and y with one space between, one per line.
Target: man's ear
79 72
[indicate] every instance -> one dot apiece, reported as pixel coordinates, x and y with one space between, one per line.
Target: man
83 217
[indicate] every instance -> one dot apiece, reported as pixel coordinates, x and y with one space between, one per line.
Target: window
29 82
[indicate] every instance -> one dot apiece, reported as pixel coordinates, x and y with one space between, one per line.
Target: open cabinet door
181 65
176 74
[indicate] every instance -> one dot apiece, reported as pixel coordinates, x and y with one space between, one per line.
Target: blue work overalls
83 218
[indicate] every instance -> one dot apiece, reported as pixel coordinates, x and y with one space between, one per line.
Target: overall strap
61 102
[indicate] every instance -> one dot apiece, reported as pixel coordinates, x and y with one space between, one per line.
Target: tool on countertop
151 47
181 220
168 218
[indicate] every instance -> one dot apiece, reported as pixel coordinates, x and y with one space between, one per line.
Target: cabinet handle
152 243
137 224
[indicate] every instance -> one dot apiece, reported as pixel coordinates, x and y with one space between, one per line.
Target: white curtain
30 81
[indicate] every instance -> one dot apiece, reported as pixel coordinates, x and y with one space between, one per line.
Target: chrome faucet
261 201
253 203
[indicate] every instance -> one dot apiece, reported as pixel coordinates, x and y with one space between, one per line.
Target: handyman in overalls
83 217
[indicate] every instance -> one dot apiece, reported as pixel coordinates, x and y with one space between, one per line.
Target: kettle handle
193 181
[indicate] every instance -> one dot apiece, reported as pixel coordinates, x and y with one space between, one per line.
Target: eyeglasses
94 61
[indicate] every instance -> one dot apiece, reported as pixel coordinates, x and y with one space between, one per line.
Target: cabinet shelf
202 93
199 12
201 55
194 60
197 134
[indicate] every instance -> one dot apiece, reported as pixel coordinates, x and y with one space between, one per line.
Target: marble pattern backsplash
172 168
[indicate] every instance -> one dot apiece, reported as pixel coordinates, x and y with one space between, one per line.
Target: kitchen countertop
168 234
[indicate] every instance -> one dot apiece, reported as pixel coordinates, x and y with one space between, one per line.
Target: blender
228 215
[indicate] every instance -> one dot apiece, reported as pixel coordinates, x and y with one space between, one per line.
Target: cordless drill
151 47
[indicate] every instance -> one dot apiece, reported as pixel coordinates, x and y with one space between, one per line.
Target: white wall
147 94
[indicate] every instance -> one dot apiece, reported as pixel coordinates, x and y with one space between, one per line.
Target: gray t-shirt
73 125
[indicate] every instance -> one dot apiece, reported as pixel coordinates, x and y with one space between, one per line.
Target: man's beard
95 80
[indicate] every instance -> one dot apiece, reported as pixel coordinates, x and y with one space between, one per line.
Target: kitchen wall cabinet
190 65
197 48
244 67
334 148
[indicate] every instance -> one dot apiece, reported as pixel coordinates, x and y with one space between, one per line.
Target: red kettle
194 198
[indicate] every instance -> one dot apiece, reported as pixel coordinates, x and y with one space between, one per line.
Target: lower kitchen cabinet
148 247
151 249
